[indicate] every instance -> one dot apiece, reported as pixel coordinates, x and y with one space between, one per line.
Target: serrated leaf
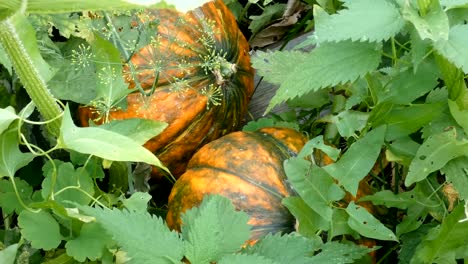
327 65
340 253
90 244
246 259
7 116
366 224
434 25
8 254
434 153
138 129
144 238
308 221
358 160
9 201
453 48
137 202
103 143
289 248
69 185
11 158
456 172
314 185
213 230
40 228
363 20
444 241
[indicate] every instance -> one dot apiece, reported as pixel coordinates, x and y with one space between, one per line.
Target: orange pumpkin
247 168
200 67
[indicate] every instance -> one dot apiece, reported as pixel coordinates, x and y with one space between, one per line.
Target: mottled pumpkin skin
247 168
200 66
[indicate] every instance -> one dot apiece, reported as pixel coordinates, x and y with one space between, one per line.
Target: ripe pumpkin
199 65
247 168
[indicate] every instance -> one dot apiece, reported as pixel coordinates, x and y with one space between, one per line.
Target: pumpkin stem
223 70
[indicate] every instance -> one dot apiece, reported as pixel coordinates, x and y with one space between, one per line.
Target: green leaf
449 4
445 241
268 122
358 160
103 143
456 172
7 116
339 224
137 202
90 244
138 129
69 185
269 14
289 248
453 48
460 115
366 224
410 241
454 79
245 259
213 230
8 254
415 216
337 253
144 238
40 228
314 185
11 158
349 121
308 221
5 60
434 153
318 143
434 25
389 199
9 201
402 150
327 65
363 20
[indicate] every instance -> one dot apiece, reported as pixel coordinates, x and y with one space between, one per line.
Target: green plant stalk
29 75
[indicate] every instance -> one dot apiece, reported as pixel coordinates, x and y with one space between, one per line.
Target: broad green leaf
456 172
137 202
8 254
449 4
453 48
11 158
454 79
362 20
358 160
444 241
289 248
314 185
90 244
339 224
327 65
410 241
7 116
366 224
69 185
40 228
389 199
308 221
213 230
245 259
268 122
5 60
144 238
9 201
349 121
138 129
270 13
318 143
419 48
434 153
460 115
434 25
402 150
415 217
103 143
336 252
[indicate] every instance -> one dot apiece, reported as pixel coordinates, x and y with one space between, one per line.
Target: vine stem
28 73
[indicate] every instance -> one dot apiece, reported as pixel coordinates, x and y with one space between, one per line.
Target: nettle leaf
364 20
456 172
366 224
144 238
358 160
434 25
289 248
434 153
340 253
40 228
8 254
246 259
447 241
308 221
103 143
314 185
327 65
11 158
69 185
138 129
213 230
454 48
90 244
9 201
